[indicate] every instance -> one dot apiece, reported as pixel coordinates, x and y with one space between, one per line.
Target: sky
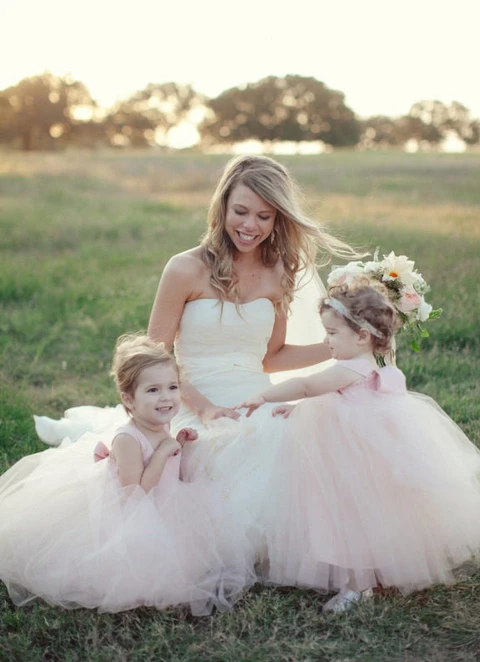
383 55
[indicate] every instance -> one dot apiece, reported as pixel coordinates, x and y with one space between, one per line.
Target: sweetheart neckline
231 302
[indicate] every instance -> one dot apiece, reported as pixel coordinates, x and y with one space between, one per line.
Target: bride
227 308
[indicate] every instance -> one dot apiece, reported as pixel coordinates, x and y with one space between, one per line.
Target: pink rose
409 301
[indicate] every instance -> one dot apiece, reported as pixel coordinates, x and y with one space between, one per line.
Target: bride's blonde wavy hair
295 239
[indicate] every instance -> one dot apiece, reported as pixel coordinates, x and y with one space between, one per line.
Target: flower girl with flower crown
123 531
370 484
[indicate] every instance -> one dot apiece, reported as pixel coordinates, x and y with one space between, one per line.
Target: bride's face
249 219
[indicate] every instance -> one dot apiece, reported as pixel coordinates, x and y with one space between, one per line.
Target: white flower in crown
424 310
345 275
399 267
372 267
419 283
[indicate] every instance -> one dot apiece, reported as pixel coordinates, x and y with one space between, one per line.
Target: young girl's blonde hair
133 353
295 238
369 303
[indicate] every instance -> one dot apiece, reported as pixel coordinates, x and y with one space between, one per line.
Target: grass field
84 238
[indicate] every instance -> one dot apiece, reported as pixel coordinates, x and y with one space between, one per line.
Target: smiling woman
249 219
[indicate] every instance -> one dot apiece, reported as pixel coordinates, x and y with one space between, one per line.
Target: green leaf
435 314
415 345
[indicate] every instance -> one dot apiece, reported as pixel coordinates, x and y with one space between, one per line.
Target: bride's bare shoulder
187 264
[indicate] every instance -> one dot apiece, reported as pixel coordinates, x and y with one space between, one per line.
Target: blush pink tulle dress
372 485
72 535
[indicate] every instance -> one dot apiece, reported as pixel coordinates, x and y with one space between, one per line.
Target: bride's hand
212 413
252 404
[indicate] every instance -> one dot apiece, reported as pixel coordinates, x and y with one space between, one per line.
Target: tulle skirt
382 489
70 534
351 490
238 457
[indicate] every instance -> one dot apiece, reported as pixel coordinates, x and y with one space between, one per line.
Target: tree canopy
437 118
428 121
41 109
47 111
293 108
147 116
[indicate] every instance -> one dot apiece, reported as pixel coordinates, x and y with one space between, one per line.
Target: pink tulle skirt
376 489
71 535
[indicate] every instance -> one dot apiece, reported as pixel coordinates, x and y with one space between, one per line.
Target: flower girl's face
156 399
343 341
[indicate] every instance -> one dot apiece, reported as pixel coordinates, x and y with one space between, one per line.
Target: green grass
83 240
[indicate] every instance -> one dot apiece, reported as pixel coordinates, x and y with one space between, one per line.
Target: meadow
84 237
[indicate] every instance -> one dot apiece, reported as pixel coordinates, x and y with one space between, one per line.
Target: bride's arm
174 290
281 356
177 286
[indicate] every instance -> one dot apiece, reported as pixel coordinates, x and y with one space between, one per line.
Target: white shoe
346 599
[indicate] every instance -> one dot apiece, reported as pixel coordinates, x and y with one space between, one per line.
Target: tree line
48 112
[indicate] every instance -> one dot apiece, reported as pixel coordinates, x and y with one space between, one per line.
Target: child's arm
331 379
131 470
154 469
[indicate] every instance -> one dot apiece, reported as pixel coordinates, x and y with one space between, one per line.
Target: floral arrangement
405 286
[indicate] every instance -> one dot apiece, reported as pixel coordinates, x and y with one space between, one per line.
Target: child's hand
283 410
101 452
252 404
171 446
186 434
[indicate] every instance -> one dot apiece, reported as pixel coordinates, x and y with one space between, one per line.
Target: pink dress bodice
383 380
171 471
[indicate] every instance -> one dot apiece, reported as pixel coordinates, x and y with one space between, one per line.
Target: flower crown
406 289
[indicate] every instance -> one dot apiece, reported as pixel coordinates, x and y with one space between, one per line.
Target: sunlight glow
182 136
